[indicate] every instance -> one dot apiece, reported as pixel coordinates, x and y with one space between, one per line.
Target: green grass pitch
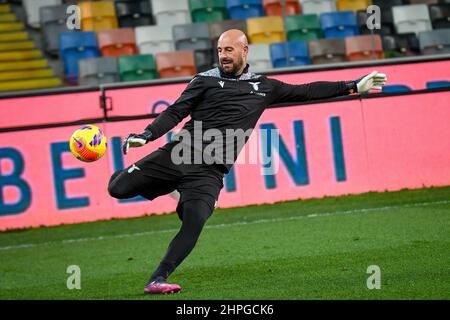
309 249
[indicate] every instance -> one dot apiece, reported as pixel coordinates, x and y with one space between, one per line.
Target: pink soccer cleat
161 288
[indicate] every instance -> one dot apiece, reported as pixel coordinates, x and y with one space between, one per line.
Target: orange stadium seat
275 8
266 30
117 42
175 64
364 47
98 16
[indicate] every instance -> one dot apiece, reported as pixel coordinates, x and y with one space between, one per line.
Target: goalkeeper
227 97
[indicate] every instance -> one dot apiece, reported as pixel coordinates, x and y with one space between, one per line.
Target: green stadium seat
208 10
304 27
137 67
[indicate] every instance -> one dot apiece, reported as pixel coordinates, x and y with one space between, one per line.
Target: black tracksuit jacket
218 101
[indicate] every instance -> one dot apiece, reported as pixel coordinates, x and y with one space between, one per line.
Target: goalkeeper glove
136 140
372 81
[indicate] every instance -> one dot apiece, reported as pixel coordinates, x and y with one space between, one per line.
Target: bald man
222 100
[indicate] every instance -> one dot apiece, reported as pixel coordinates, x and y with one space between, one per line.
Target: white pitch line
226 225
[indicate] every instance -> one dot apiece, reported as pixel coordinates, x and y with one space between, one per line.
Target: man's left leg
194 214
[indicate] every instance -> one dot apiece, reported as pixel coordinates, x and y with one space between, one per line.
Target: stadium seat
424 1
134 13
16 45
23 65
440 15
171 12
265 30
339 24
8 17
411 18
14 36
289 54
195 37
53 22
438 84
30 84
191 36
401 45
95 71
32 8
395 88
175 64
20 55
117 42
275 7
348 5
98 16
75 46
244 9
5 8
435 41
154 39
259 57
318 6
327 50
388 4
386 26
137 67
208 10
218 27
11 26
365 47
26 74
303 27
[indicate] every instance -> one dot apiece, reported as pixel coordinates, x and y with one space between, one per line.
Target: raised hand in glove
372 81
134 140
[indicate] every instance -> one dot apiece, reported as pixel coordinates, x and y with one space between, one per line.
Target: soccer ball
88 143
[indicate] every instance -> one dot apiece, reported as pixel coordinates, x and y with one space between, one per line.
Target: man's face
231 56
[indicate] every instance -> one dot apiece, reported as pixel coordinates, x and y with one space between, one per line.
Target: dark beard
234 70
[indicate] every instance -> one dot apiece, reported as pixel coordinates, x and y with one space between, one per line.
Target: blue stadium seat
75 46
289 54
243 9
339 24
395 88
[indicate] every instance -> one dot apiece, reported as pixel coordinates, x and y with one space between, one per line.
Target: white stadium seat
154 39
171 12
259 57
412 18
318 6
32 10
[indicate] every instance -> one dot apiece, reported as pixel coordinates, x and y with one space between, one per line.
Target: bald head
232 48
235 36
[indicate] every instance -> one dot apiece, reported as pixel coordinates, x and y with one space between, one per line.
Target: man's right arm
179 110
169 118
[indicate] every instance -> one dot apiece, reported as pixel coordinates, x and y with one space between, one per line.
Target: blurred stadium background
366 179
